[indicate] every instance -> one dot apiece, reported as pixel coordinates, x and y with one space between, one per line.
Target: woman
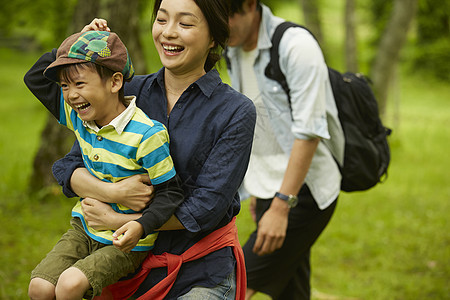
211 131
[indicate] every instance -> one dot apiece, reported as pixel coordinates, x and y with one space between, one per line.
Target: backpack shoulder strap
273 70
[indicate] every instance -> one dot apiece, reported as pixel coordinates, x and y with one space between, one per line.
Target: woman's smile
172 49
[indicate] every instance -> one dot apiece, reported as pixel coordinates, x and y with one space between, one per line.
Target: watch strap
282 196
291 200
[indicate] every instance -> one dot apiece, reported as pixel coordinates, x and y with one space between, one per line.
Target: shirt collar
266 28
207 83
121 121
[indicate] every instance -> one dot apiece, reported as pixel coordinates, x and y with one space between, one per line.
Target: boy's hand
97 24
131 233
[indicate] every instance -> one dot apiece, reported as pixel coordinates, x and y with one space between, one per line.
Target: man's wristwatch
291 200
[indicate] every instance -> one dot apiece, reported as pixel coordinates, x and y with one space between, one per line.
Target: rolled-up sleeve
63 168
302 61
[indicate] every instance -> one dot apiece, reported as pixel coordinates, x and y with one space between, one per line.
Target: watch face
293 201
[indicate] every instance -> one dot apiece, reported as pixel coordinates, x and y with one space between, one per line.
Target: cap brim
51 72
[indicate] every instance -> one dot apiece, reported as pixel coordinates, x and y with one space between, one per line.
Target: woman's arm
213 199
168 196
101 216
134 192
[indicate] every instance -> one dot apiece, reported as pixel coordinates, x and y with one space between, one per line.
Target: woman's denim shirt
314 112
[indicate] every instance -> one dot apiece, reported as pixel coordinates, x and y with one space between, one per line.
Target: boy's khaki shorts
102 264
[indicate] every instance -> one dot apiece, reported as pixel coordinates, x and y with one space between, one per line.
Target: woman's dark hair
216 13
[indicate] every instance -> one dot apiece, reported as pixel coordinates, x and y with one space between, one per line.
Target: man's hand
127 236
97 24
252 208
272 228
134 192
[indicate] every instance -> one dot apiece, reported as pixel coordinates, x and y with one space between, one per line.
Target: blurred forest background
390 242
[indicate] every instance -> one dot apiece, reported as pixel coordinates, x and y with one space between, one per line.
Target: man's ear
116 82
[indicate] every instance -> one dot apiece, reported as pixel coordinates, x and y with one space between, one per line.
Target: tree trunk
56 141
351 52
85 11
122 17
312 19
388 51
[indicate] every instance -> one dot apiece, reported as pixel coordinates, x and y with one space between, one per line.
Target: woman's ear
116 82
212 44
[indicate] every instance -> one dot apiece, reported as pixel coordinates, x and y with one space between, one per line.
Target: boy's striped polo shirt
137 145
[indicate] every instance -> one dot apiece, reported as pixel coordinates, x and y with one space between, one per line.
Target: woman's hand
97 24
134 192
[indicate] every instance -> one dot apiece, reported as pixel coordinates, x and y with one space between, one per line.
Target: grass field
391 242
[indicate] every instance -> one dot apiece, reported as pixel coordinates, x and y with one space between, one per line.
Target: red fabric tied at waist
222 237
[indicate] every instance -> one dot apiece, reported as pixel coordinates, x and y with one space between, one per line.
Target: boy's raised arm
47 91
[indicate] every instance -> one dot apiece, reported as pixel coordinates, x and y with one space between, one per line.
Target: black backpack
367 154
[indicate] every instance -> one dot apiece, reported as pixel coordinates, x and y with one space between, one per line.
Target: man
293 177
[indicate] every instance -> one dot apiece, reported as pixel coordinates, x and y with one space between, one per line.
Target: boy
117 141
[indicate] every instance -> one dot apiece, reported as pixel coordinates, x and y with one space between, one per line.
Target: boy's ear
116 82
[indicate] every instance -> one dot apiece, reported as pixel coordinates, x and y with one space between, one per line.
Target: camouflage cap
101 47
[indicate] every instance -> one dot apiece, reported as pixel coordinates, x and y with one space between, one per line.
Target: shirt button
99 138
96 157
179 106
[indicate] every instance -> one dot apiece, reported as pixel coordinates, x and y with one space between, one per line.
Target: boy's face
90 96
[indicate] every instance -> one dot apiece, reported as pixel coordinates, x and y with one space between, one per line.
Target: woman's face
181 36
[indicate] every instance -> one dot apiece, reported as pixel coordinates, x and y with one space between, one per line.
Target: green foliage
42 20
432 53
18 109
380 11
433 20
29 226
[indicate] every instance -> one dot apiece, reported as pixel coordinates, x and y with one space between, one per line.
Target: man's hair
67 72
237 6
